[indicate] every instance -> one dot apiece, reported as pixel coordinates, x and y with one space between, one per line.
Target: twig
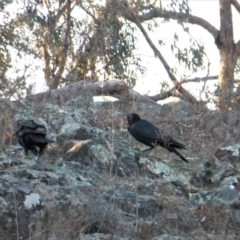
16 215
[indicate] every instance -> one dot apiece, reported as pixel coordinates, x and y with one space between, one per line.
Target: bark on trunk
228 61
228 56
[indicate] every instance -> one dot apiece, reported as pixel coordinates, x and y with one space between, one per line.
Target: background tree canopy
96 40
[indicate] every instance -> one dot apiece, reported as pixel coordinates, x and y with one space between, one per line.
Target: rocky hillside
95 183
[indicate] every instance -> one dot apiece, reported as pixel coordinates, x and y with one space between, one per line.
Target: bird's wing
18 128
25 130
32 124
146 130
29 124
36 138
39 124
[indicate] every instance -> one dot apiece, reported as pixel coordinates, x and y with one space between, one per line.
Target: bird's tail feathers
49 140
183 158
171 144
178 145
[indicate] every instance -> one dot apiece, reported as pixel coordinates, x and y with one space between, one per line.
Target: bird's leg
38 158
26 152
40 153
148 149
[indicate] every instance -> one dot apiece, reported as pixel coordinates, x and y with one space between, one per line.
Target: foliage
77 40
192 57
9 40
86 41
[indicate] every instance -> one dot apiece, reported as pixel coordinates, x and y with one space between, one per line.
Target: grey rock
229 154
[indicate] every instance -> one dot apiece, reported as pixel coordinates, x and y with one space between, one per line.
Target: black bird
32 135
150 135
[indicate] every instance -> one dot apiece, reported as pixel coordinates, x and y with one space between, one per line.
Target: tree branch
56 78
205 79
157 53
171 93
235 4
114 88
154 48
82 88
158 13
187 96
199 79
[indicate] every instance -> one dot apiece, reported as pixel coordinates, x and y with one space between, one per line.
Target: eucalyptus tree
92 40
79 40
142 11
69 40
10 86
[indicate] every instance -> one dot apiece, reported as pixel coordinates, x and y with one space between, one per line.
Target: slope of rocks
95 183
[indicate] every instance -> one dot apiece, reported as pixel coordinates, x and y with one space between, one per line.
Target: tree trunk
63 59
228 60
228 56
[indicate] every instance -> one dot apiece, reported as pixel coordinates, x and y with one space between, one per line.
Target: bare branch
154 48
88 12
187 96
47 59
171 93
235 4
82 88
158 13
205 79
200 79
128 12
114 88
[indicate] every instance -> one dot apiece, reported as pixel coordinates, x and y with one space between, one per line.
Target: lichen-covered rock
229 155
210 174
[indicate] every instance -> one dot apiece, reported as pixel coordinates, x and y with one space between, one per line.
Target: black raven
32 135
150 135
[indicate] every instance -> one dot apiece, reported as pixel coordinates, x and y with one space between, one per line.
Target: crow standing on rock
32 135
150 135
